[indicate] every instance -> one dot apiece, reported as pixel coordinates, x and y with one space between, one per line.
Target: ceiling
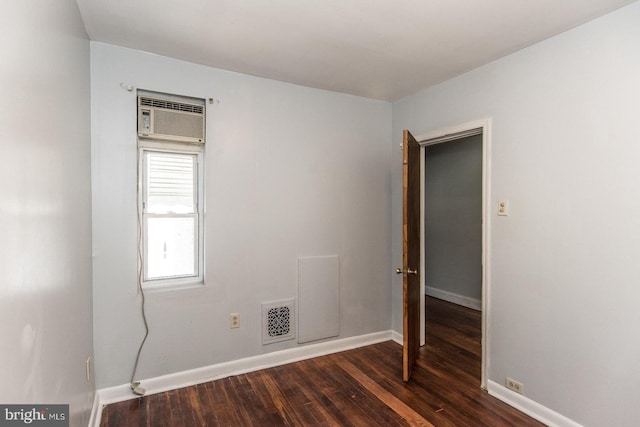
378 49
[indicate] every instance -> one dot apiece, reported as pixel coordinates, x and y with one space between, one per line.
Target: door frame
440 136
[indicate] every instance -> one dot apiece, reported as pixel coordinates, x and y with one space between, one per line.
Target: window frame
177 282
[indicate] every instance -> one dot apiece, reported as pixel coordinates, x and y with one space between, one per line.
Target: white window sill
153 288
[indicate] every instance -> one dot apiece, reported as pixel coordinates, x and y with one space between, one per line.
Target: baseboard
530 407
397 337
96 411
462 300
236 367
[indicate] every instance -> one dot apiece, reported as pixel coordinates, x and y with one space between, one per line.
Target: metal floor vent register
278 321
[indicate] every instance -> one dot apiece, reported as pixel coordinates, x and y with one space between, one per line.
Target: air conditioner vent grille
171 105
278 321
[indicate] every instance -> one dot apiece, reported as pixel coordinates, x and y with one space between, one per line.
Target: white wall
564 268
45 208
291 171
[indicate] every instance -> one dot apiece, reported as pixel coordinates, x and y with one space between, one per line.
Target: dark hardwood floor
361 387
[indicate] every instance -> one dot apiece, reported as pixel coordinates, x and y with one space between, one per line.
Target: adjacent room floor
361 387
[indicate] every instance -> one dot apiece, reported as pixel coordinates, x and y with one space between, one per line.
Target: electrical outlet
235 320
514 385
88 368
503 208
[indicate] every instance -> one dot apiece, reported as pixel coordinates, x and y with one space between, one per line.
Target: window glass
171 247
170 227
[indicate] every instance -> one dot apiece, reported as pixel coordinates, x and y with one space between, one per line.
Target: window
171 221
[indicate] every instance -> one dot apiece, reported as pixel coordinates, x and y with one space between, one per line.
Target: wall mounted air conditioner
171 118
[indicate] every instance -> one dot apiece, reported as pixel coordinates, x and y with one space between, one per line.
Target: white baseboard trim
236 367
462 300
397 337
530 407
96 411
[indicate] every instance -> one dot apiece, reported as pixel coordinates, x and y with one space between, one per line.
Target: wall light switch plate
503 208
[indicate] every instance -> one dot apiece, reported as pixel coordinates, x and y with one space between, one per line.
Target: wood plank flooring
361 387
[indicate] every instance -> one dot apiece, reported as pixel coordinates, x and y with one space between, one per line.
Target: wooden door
410 253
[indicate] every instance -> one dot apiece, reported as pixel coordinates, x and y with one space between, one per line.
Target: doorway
481 131
453 221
